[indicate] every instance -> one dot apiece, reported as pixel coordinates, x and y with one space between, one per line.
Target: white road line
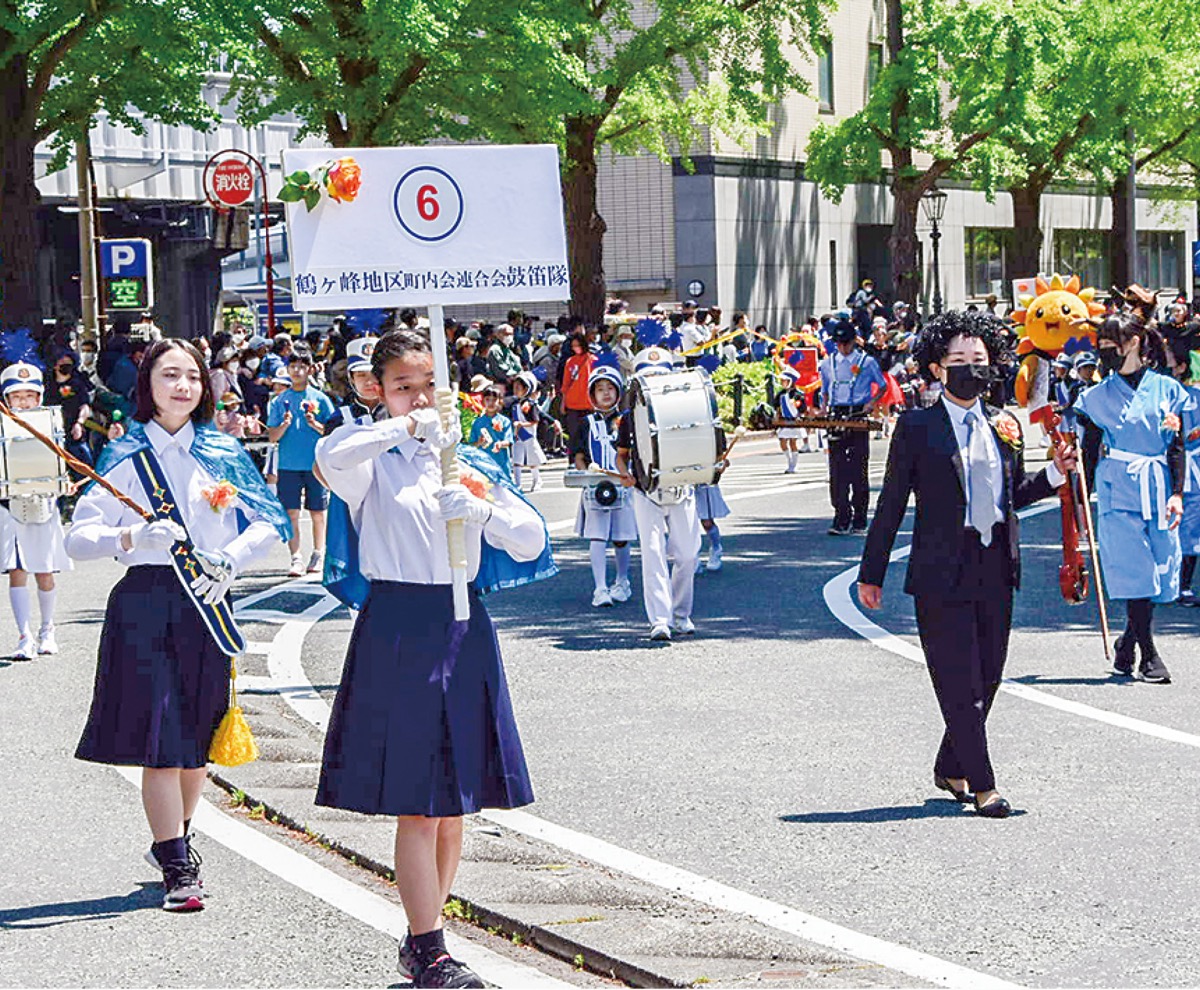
777 916
838 593
359 903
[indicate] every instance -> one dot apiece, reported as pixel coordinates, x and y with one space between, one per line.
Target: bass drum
677 435
27 466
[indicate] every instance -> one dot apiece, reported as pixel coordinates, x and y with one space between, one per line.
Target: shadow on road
932 808
148 895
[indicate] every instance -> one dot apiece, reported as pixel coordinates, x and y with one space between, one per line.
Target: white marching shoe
714 559
25 648
685 627
621 591
661 633
47 645
601 598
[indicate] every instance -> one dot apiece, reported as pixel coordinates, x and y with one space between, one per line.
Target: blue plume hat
709 362
650 332
607 368
366 322
19 346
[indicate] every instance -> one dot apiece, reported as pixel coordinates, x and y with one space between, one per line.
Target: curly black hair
934 339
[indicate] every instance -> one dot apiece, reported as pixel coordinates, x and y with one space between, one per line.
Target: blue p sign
125 258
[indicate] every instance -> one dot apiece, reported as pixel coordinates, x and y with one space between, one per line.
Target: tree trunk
1025 258
18 204
906 274
585 226
1120 264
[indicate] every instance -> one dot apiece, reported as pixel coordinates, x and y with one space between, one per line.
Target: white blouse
389 481
100 519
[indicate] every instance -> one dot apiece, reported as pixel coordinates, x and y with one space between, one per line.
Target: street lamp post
933 203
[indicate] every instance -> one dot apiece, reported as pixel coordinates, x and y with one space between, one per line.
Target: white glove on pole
217 577
162 534
426 426
455 502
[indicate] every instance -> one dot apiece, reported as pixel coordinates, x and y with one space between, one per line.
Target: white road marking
364 905
839 592
777 916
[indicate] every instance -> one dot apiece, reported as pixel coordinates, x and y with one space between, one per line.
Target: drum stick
737 435
456 538
77 465
594 468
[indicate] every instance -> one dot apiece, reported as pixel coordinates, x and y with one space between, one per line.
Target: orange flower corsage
1009 430
1170 422
219 496
476 484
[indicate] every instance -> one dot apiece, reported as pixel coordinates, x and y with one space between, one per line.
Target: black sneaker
859 530
1123 657
446 972
193 858
182 882
1188 598
1154 670
408 965
836 530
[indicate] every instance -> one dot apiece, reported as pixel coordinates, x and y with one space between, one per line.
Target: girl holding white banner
422 727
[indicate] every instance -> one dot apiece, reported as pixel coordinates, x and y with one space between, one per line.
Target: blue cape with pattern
344 579
221 456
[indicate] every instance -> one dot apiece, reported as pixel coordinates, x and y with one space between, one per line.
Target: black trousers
965 640
849 490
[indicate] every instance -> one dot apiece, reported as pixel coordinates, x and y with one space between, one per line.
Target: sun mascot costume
1051 323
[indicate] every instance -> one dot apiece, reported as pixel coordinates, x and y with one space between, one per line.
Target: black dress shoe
942 784
996 808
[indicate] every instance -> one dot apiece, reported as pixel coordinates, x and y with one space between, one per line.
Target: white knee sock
537 476
599 553
623 555
517 474
22 612
46 606
792 457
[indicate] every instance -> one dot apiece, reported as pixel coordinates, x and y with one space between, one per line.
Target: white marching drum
677 434
27 466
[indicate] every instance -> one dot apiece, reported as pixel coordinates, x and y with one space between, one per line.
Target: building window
1083 253
874 65
1159 255
986 251
825 76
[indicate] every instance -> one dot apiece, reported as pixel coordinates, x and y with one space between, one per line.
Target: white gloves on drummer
455 502
217 576
426 425
162 534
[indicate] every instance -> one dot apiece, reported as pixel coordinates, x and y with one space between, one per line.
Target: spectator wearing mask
503 361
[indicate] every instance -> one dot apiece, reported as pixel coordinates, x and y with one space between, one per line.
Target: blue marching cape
344 579
222 457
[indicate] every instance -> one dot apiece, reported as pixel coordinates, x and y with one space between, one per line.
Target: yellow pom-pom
233 744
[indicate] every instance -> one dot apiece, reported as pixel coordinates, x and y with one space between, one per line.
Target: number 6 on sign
428 203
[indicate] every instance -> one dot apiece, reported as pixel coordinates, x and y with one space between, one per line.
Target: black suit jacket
924 459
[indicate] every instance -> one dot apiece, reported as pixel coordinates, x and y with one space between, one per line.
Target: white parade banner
428 226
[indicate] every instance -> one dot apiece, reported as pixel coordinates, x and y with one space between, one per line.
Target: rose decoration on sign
1009 430
219 496
339 179
1170 422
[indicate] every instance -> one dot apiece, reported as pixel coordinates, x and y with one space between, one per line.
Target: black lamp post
933 203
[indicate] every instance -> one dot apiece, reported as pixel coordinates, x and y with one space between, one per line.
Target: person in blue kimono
1187 370
492 431
1139 481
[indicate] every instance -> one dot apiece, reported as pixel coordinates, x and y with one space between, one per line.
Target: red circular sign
232 182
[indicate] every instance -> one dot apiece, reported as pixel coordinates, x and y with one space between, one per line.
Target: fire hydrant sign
427 226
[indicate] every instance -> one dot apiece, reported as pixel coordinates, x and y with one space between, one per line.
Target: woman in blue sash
422 727
1139 482
162 679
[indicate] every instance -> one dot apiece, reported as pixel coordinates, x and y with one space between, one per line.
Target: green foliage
754 388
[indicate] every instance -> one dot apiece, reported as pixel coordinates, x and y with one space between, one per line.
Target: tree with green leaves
956 74
61 63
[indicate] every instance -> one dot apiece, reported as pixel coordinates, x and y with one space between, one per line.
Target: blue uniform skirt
422 723
162 685
710 503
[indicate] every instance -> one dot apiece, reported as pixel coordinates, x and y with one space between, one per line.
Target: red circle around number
427 205
232 182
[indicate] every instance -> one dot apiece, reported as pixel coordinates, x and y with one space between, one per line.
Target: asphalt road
777 752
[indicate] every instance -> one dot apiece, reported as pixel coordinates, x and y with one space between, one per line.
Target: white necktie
981 510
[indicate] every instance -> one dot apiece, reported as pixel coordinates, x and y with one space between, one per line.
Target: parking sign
127 270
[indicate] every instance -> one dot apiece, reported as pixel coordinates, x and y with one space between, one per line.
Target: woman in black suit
964 462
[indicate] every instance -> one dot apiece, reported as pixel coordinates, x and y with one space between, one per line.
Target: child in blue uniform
791 404
615 523
1139 482
162 679
525 414
492 431
422 727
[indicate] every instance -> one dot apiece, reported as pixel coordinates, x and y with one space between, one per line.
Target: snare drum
27 466
677 435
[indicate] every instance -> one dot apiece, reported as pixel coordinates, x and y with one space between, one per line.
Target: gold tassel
233 744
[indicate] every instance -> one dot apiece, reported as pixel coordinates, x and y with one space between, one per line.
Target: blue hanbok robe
1139 554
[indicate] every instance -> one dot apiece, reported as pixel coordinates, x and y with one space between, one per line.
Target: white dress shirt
693 335
962 434
99 519
389 481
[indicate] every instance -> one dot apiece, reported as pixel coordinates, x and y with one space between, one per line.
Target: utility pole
87 238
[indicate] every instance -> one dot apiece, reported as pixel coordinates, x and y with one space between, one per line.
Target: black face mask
968 381
1111 359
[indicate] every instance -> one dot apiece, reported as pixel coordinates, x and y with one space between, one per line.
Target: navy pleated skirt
422 723
162 685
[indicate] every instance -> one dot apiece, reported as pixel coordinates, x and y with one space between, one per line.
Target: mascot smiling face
1051 323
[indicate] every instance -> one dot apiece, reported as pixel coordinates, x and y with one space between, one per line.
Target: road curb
480 915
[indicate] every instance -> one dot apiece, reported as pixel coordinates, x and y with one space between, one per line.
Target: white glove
426 425
217 576
162 534
455 502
